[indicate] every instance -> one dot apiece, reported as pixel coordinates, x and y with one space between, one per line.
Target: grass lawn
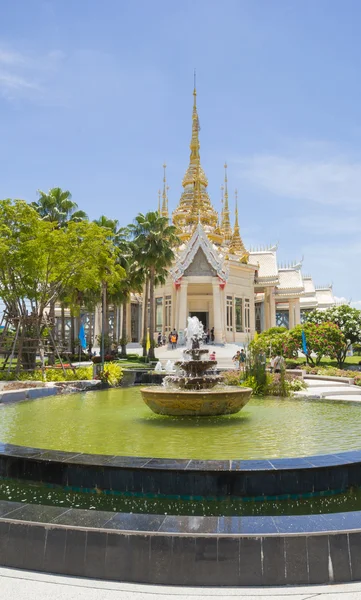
328 362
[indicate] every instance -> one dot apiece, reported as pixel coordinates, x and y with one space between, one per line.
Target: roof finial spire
159 194
236 246
165 195
226 224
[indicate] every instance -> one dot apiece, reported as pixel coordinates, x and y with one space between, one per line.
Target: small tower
226 223
159 206
236 245
164 211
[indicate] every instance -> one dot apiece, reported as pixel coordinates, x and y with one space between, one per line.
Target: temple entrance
203 317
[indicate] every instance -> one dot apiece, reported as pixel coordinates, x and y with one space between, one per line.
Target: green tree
38 262
57 207
269 341
324 339
154 240
348 319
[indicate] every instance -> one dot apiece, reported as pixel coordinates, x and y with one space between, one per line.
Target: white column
182 307
217 312
272 307
297 307
291 314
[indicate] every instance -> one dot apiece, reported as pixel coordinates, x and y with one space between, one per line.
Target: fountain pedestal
193 391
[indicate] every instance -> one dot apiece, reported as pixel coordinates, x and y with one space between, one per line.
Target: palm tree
154 240
58 207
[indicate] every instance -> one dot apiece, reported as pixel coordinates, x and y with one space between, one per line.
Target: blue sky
95 96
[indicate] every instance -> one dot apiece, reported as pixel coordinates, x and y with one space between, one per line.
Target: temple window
229 313
247 316
238 307
159 314
168 314
282 318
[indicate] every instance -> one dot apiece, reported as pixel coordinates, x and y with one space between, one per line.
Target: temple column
272 307
291 314
297 311
129 323
217 312
182 306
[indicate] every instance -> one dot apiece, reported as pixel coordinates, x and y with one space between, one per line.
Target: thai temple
235 290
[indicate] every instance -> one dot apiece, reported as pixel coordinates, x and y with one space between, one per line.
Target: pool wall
237 478
193 551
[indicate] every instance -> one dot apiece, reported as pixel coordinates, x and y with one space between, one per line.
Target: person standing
212 335
174 339
242 359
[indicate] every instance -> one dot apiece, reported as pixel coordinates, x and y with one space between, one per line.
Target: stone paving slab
28 585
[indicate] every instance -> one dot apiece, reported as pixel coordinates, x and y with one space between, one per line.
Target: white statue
194 332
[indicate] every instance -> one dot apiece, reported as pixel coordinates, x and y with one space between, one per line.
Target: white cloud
331 180
323 224
353 303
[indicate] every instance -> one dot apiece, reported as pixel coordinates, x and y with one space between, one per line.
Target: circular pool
117 422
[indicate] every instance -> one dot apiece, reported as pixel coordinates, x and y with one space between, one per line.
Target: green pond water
117 422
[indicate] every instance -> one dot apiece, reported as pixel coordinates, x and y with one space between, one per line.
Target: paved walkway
25 585
331 390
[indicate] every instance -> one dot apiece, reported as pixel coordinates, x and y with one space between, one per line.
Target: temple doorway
203 318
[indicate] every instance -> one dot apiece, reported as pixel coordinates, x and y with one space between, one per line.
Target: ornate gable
198 253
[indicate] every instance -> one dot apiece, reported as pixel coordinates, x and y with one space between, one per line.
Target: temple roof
267 261
199 240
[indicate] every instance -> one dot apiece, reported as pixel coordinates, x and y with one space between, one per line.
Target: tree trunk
145 317
115 323
151 319
72 333
51 357
124 329
63 341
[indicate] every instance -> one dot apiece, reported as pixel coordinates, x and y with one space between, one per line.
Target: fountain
196 390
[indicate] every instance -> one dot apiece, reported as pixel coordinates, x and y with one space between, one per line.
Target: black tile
117 556
300 523
296 560
36 512
317 549
290 463
75 552
8 507
135 522
89 459
56 455
34 550
251 465
83 518
208 465
163 463
355 552
183 563
4 534
128 462
54 555
250 561
340 559
139 565
228 561
15 552
206 571
185 524
274 567
258 525
161 555
95 551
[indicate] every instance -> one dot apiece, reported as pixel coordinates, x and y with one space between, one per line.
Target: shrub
231 377
112 374
321 339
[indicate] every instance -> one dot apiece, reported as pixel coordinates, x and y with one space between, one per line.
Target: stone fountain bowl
225 400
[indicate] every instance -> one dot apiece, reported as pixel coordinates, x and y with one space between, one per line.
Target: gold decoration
236 245
164 212
195 205
226 223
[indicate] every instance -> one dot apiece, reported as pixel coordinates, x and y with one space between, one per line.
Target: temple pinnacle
226 223
164 211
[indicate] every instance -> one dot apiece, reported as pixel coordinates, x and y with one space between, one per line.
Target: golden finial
236 245
165 195
226 223
159 193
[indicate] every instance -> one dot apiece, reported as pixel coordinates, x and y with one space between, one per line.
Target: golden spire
159 192
226 223
164 212
236 245
195 203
